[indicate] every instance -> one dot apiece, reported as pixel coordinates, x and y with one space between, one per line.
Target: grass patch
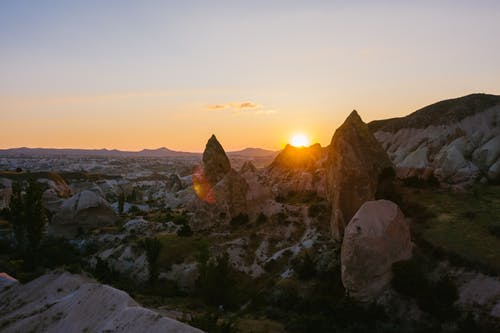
176 250
460 223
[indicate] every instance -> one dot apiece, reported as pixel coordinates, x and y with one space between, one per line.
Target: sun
299 140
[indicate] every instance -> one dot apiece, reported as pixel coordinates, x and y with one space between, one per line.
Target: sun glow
299 140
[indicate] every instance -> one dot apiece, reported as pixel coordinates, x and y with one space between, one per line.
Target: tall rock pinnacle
355 162
215 161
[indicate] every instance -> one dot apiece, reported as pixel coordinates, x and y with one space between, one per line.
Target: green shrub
212 323
219 284
261 219
56 252
436 298
239 220
180 220
104 273
185 231
304 266
318 210
494 229
152 247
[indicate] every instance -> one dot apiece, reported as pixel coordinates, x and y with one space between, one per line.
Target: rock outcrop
174 183
456 140
64 302
356 161
248 167
299 170
305 158
83 211
6 281
215 161
230 194
376 237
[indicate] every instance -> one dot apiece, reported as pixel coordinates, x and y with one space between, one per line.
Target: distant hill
443 112
253 152
160 152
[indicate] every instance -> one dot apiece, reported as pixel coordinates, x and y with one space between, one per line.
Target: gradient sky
147 74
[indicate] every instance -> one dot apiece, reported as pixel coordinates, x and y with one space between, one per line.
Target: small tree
152 247
121 202
185 231
28 220
35 221
17 216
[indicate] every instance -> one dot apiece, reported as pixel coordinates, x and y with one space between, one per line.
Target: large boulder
63 302
377 236
81 212
215 161
356 161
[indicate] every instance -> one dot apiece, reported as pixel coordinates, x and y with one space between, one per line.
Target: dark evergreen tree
28 220
152 247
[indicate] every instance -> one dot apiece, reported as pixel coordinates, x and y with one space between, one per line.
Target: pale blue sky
135 74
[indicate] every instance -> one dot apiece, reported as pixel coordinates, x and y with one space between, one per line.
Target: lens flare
202 186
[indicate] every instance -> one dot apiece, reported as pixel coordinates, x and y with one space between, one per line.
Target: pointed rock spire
355 162
215 161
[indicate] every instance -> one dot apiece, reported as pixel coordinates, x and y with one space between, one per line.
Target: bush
408 278
304 266
436 298
180 220
218 283
56 252
261 219
135 210
185 231
152 247
494 229
104 273
239 220
210 322
318 209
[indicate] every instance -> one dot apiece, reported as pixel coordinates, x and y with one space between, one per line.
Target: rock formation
230 194
215 161
376 237
83 211
248 167
174 183
355 163
299 170
292 157
64 302
456 140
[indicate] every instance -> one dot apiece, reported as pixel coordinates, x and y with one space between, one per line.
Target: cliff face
355 162
456 140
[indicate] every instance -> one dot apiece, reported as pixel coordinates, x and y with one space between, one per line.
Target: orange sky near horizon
128 75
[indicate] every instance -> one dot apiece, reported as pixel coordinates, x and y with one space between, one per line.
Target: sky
146 74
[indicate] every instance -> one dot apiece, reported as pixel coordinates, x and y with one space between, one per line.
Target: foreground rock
355 163
81 212
64 302
456 140
376 237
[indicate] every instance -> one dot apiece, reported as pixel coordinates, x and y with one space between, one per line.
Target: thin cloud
217 107
241 107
